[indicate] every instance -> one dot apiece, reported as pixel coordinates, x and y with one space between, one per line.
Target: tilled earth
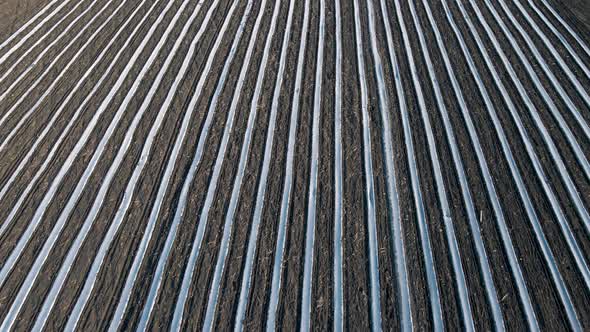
263 164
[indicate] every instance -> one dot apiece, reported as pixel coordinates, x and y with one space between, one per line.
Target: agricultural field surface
294 165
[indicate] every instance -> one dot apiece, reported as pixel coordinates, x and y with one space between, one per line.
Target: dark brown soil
113 274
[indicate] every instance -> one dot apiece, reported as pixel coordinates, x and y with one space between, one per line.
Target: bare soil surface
133 138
